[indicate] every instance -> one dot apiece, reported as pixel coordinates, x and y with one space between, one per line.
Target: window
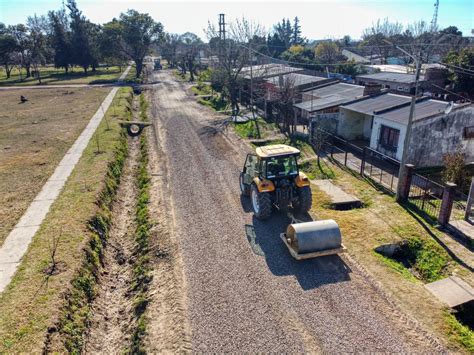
469 132
389 138
281 166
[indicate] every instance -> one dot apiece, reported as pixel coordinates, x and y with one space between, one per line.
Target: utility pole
222 26
406 142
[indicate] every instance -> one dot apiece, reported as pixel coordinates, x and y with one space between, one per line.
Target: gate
426 195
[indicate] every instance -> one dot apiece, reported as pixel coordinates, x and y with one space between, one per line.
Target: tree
297 39
233 53
454 170
81 29
299 54
60 39
188 49
327 52
23 46
374 37
109 44
287 93
39 49
169 47
462 63
7 49
138 32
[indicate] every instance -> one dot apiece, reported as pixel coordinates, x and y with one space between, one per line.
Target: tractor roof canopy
276 150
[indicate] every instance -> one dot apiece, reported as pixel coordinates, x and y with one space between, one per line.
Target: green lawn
55 76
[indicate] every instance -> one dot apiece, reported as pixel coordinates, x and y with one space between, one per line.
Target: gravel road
244 291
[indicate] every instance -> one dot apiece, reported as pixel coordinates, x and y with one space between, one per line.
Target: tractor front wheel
261 203
305 199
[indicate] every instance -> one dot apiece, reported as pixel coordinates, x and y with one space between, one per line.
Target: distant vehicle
158 65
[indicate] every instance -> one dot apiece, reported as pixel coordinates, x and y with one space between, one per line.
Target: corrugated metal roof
423 109
267 70
377 103
392 77
297 79
330 96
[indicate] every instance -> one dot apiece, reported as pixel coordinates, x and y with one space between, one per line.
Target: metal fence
380 168
426 195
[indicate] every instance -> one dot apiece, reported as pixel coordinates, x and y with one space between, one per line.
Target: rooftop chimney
371 89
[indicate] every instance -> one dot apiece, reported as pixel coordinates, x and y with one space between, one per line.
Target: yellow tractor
271 178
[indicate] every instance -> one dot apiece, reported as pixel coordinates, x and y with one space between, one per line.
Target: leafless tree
374 36
285 99
233 53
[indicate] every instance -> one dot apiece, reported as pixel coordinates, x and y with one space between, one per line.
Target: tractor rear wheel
261 203
305 199
244 188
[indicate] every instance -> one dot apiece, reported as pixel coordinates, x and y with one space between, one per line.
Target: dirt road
244 291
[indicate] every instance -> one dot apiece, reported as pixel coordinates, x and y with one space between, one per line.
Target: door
250 168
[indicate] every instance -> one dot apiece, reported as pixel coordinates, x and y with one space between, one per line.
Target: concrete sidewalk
17 242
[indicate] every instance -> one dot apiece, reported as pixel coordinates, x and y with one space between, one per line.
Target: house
356 118
398 83
438 128
324 100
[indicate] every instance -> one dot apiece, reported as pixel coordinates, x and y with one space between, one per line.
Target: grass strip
77 311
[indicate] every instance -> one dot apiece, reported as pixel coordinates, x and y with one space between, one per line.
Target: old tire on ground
261 203
244 188
305 199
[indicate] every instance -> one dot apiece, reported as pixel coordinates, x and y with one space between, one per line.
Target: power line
457 67
450 92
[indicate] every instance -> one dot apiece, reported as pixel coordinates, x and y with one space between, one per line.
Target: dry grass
32 301
384 221
34 137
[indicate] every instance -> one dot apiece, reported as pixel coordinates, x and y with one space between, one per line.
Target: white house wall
432 138
374 138
354 125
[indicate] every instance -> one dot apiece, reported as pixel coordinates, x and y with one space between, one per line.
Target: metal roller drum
308 237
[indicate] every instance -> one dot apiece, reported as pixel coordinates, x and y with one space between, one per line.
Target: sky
320 19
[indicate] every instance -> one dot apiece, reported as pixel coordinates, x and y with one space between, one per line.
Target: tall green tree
81 37
462 63
109 44
23 46
7 49
188 50
60 39
138 32
37 26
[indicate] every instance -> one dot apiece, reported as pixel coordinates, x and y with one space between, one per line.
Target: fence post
470 202
446 204
405 182
345 159
362 164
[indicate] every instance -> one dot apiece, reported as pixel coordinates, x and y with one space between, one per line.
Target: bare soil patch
34 136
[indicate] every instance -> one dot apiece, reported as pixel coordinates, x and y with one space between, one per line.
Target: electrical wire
449 91
455 66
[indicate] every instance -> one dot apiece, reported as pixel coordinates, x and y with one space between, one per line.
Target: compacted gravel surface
244 291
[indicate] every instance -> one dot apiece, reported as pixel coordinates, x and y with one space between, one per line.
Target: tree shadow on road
264 239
